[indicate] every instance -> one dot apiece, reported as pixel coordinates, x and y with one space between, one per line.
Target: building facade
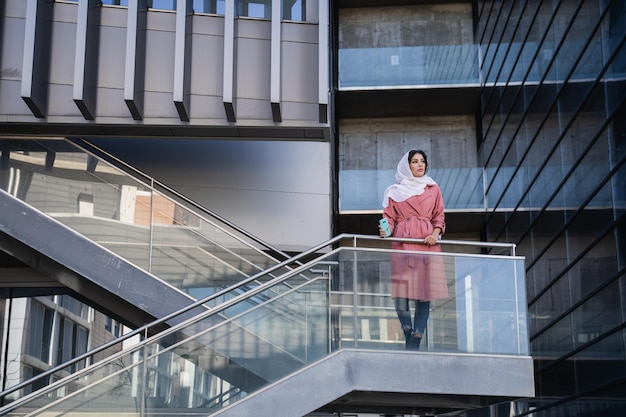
553 147
288 118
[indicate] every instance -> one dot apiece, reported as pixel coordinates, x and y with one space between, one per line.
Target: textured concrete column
135 57
229 59
36 60
323 48
86 57
182 56
275 67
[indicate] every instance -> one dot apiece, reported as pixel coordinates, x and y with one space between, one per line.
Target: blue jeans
422 311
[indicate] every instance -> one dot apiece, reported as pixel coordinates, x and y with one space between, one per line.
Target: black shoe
413 342
408 332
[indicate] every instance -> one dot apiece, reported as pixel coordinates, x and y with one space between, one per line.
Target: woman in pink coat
414 208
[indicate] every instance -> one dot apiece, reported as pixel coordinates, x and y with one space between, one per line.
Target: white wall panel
62 53
207 68
111 60
253 69
299 62
11 56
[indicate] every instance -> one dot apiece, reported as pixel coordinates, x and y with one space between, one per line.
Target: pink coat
417 277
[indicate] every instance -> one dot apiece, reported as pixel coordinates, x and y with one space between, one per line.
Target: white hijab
406 184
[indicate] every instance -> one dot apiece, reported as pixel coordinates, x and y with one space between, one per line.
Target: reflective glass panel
254 8
341 299
162 4
116 2
362 189
209 6
197 253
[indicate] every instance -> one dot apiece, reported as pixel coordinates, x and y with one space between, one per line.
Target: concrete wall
370 148
378 144
374 144
419 25
369 151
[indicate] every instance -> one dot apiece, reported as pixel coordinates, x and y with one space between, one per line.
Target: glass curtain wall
554 149
56 329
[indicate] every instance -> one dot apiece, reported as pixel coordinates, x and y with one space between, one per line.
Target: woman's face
417 165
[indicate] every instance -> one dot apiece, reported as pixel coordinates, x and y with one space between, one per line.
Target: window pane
255 8
162 4
294 10
40 332
65 341
209 6
116 2
599 363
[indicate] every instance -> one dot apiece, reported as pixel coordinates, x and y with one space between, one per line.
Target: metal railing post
144 378
355 295
151 230
469 313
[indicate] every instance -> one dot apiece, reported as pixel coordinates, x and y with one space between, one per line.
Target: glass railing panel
205 365
423 66
292 313
294 318
197 255
91 198
463 188
193 253
266 294
484 312
342 299
408 66
123 214
251 344
111 388
210 362
362 190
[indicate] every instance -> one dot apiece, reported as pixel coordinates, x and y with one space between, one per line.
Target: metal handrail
145 328
223 306
173 329
209 312
472 243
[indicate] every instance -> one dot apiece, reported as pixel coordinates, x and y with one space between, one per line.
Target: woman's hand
382 233
433 238
430 240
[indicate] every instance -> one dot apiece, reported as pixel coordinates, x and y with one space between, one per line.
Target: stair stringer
114 285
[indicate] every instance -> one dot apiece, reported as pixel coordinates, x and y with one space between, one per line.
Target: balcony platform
422 383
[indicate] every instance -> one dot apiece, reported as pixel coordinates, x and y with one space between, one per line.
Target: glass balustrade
340 300
483 313
409 66
362 190
128 216
464 188
450 65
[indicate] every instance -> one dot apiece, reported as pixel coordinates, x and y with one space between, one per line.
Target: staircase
91 228
310 348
